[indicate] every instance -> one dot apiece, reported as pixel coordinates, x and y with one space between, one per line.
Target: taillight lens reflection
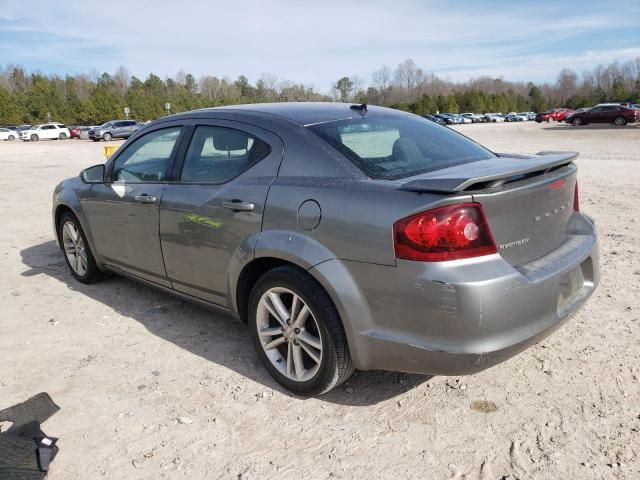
446 233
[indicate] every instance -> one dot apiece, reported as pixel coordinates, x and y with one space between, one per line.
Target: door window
147 159
218 154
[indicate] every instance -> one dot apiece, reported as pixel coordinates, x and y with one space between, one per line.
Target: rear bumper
459 317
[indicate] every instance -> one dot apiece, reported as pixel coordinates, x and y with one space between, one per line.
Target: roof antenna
360 108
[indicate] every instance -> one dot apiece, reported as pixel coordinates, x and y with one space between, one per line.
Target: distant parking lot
151 387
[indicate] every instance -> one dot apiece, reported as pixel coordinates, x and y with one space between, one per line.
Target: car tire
12 138
34 137
301 367
620 121
107 137
62 136
550 120
576 122
76 249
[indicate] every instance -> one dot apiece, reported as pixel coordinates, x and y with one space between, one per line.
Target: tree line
87 99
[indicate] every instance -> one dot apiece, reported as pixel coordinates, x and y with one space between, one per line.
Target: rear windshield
393 147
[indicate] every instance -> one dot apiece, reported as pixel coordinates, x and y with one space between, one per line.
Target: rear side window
393 147
218 154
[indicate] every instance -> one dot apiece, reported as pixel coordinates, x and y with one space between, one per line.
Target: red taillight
576 199
446 233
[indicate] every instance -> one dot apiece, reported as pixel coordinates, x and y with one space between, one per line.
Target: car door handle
144 198
239 206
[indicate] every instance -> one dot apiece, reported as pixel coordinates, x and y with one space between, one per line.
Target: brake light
445 233
576 199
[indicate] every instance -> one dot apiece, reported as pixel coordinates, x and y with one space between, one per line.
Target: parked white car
51 131
6 134
494 117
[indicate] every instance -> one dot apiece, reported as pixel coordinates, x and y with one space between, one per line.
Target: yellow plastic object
110 150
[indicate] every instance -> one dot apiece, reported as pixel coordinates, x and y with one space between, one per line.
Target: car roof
305 113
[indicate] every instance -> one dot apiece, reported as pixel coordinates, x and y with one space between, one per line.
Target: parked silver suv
113 129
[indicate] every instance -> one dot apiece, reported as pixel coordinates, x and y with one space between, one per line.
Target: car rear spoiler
489 173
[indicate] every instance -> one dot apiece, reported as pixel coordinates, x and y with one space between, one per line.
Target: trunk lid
527 200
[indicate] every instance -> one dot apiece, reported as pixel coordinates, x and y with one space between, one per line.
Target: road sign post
126 112
167 107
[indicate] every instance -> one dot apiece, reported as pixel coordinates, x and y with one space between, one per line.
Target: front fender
65 195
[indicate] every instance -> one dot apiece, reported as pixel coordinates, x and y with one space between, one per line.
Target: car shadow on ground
214 336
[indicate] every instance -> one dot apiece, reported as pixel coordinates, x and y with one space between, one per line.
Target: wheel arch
280 248
63 205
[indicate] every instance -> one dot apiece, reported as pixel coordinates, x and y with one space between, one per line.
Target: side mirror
93 174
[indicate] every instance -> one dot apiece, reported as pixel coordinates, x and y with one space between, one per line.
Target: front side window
147 159
390 147
218 154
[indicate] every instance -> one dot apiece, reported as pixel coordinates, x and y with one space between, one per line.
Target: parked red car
75 132
554 115
616 114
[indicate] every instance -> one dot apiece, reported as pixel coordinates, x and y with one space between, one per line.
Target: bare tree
567 85
122 78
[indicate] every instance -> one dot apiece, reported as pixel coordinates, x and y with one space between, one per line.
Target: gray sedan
345 236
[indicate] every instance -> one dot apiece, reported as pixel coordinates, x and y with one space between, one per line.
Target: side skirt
189 298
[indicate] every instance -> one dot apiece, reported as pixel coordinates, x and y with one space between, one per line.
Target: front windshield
390 147
105 125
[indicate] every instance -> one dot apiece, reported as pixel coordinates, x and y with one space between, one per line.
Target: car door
130 128
214 209
45 132
594 115
609 113
117 130
123 212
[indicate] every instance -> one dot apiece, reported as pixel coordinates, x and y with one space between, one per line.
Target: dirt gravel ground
151 387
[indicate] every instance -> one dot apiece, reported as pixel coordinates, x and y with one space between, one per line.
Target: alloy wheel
289 334
74 248
620 121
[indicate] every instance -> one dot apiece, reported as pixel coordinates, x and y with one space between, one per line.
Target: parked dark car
448 118
346 237
616 114
113 129
435 119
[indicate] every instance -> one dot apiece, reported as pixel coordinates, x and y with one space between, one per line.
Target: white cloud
316 43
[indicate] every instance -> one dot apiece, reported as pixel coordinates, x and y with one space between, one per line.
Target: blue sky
318 42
